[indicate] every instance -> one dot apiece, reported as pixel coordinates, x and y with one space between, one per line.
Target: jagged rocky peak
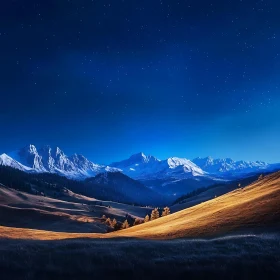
203 161
53 159
58 152
141 157
29 149
30 157
138 166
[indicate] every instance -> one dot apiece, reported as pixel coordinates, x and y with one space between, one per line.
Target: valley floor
233 257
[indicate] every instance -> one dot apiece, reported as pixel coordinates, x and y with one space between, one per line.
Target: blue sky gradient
170 78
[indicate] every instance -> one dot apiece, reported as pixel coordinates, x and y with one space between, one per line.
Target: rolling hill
107 186
250 208
70 213
255 207
207 193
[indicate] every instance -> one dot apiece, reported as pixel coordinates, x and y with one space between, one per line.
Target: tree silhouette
165 212
147 219
114 223
155 214
125 224
108 222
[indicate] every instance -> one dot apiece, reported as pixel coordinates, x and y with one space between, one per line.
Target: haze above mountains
138 166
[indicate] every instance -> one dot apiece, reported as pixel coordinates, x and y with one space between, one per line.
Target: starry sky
167 77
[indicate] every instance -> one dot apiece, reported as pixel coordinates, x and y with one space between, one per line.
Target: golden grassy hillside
257 205
252 207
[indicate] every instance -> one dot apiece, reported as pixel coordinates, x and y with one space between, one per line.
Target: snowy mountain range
53 160
144 167
138 166
230 168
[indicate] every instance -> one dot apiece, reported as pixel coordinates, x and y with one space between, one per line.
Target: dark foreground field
232 257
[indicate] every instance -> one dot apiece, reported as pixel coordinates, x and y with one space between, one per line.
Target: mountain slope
109 186
118 187
69 212
8 161
256 207
204 194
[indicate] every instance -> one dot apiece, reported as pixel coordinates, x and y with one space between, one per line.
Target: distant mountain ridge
119 187
144 167
228 167
53 160
139 166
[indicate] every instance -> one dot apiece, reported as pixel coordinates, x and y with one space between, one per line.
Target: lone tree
114 223
165 212
147 219
125 224
108 222
155 214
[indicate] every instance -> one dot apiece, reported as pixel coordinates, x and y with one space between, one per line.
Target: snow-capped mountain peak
136 160
54 160
142 158
183 168
138 166
31 149
223 167
8 161
173 162
29 157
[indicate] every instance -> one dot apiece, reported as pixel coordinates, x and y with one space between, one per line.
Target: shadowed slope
254 207
76 214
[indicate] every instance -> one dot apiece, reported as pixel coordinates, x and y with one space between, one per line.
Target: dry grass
235 257
253 207
31 234
257 205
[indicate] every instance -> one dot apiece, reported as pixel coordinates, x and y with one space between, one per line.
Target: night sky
170 78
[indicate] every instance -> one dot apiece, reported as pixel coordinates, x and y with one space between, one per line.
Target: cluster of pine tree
156 214
129 221
111 223
114 225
